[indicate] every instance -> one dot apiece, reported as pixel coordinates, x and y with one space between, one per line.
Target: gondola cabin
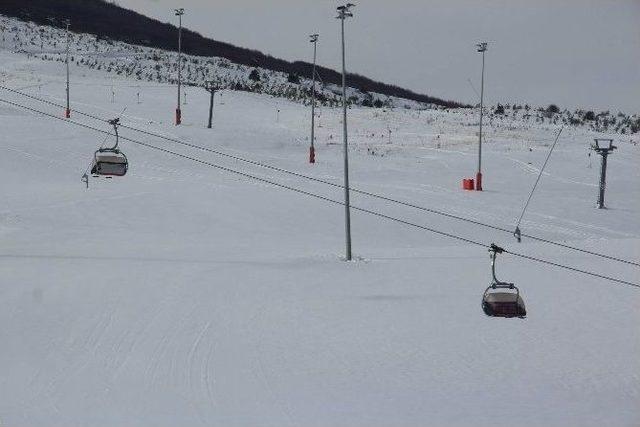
503 304
109 163
501 299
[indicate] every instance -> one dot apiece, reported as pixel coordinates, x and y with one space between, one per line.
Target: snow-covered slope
154 65
184 295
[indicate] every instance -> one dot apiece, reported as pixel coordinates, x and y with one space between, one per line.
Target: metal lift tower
603 150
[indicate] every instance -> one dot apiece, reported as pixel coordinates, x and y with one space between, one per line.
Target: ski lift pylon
502 299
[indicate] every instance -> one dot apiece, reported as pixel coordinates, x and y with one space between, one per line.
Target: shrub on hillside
254 75
553 109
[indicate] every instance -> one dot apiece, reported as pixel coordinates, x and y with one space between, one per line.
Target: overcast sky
575 53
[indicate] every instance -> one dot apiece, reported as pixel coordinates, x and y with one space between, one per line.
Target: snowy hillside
185 295
155 65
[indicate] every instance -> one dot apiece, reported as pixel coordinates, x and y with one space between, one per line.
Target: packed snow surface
183 295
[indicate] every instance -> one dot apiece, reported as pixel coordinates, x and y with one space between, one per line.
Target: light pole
67 111
482 47
313 38
343 13
179 13
211 87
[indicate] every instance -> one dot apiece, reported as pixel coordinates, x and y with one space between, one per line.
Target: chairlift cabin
111 161
108 162
502 299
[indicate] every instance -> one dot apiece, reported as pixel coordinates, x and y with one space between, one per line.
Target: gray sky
575 53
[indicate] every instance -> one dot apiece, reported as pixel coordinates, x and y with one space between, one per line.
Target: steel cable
323 181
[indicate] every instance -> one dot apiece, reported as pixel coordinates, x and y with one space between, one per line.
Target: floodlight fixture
344 11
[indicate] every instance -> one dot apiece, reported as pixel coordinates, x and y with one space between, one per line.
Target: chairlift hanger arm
494 250
114 122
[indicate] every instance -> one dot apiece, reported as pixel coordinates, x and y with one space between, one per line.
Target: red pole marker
312 155
479 181
67 113
178 116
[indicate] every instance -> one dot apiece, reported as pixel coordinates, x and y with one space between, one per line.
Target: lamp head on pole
345 11
212 85
313 38
180 12
482 47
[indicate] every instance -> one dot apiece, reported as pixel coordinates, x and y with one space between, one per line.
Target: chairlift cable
473 87
327 199
517 232
577 270
355 190
250 176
